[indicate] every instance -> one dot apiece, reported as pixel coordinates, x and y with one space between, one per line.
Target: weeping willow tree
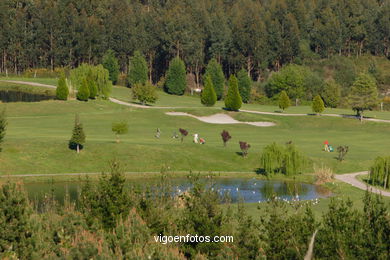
380 172
271 158
282 159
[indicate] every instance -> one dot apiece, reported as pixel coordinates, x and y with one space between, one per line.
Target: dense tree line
112 220
254 34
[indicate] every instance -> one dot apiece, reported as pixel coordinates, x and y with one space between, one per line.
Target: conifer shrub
233 99
214 71
244 85
62 90
175 82
208 96
318 105
284 100
77 140
83 93
138 70
110 63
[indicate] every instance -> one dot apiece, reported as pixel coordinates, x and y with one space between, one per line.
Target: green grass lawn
38 133
48 81
166 100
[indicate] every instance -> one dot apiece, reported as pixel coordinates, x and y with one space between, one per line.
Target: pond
9 95
250 190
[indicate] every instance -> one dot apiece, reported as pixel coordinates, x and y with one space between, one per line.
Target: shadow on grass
260 171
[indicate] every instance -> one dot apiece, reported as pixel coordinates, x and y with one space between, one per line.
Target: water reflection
248 190
23 96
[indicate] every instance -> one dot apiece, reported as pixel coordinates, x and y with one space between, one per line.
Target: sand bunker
220 119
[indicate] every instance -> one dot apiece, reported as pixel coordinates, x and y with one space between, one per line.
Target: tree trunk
117 138
150 66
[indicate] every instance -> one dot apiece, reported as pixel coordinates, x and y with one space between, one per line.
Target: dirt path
350 178
331 115
29 83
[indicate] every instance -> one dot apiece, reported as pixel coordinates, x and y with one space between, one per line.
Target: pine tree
17 232
77 140
208 96
138 69
110 63
244 85
62 90
3 127
83 92
214 70
233 99
91 86
318 105
175 82
284 100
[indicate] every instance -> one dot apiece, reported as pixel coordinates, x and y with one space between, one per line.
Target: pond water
250 190
23 96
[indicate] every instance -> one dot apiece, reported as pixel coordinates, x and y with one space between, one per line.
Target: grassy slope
36 140
167 100
48 81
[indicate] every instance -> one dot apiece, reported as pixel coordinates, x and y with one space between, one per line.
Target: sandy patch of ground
220 119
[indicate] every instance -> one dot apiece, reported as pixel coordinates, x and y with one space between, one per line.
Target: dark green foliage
203 216
110 63
244 85
233 99
62 90
364 94
380 172
113 218
146 93
291 79
175 82
214 71
16 236
284 100
286 235
83 92
3 127
351 234
342 150
92 86
108 202
318 105
138 69
331 94
208 96
282 159
120 128
260 35
77 140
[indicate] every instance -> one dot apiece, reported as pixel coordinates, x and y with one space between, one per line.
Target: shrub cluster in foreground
112 220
